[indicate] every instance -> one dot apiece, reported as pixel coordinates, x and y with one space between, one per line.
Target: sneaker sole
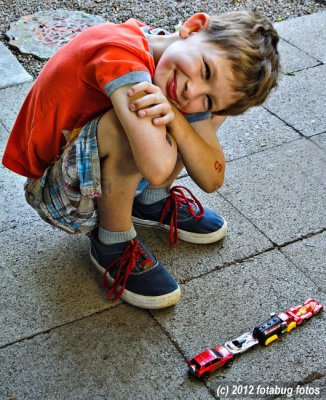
191 237
137 300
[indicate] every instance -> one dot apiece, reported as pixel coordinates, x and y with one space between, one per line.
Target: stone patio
60 337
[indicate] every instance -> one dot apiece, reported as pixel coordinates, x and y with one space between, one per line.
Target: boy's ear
194 24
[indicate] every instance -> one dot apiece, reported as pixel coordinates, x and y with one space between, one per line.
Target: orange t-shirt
73 88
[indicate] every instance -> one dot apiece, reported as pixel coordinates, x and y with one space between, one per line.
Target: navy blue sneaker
133 274
183 217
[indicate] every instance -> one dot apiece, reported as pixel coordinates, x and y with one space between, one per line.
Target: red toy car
208 361
300 313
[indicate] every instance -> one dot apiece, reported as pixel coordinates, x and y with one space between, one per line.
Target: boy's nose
191 90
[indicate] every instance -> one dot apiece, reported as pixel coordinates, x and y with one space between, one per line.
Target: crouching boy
112 119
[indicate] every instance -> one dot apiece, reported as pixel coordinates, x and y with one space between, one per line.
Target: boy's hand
153 104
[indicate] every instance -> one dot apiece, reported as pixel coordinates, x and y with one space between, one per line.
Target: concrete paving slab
11 100
11 71
309 256
320 140
222 305
46 280
307 33
186 260
14 209
300 100
281 190
253 132
119 354
294 59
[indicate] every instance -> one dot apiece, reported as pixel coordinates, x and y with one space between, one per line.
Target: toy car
300 313
208 361
241 343
211 359
269 330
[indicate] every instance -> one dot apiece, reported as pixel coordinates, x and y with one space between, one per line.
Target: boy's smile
172 89
193 73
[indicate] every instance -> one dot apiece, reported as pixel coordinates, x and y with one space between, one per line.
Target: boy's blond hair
250 42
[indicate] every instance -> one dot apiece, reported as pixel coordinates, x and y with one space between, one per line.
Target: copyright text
237 390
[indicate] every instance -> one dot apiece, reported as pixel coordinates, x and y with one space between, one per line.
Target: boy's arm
198 145
200 150
154 150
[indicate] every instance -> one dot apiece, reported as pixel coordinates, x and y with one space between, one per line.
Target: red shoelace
126 263
175 200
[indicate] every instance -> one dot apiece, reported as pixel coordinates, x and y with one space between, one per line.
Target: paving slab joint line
302 69
165 331
228 265
320 147
308 235
176 345
249 257
245 217
275 146
304 272
312 377
286 123
316 134
46 331
2 124
305 52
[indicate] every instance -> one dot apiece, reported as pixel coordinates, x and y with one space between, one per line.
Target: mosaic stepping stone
44 32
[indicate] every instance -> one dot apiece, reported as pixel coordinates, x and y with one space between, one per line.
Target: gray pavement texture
60 337
11 72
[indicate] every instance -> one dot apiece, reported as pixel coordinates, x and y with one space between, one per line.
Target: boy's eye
209 103
207 71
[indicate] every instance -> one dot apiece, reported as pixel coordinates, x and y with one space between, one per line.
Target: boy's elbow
211 188
212 185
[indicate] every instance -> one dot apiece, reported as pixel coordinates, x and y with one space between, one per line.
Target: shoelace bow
126 263
177 198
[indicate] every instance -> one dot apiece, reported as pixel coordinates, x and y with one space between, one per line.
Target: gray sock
150 196
108 237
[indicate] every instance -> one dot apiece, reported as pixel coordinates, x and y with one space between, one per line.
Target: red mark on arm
218 166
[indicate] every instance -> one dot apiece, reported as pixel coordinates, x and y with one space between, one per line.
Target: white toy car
241 344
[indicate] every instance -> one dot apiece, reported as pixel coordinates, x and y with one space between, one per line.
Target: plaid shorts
65 196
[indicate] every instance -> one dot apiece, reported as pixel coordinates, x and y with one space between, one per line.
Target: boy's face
195 75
